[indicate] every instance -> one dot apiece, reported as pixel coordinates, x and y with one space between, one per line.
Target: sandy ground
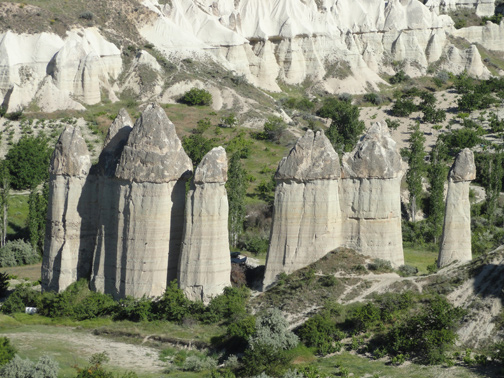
137 358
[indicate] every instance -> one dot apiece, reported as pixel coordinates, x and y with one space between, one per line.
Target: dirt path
138 358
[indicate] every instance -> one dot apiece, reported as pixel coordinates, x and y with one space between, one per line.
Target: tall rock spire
370 196
306 219
456 239
151 172
67 256
205 266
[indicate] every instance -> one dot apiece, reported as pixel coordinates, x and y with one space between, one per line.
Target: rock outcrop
152 172
103 277
205 266
307 218
67 249
481 7
456 239
370 196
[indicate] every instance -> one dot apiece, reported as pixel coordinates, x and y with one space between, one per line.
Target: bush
86 15
18 252
380 265
373 98
45 367
197 146
173 305
196 96
274 128
7 351
460 139
229 304
321 332
135 310
272 331
399 77
20 298
252 242
392 124
199 363
408 270
28 162
403 107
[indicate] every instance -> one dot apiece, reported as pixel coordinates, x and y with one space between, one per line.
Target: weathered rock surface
67 252
103 278
482 7
306 219
205 266
152 172
370 196
456 239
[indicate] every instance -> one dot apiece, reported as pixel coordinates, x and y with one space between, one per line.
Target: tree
196 96
236 187
197 146
274 128
437 175
37 210
491 174
28 161
345 127
415 156
4 201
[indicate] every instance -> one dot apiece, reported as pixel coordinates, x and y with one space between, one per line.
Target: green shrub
45 367
135 310
7 351
173 305
399 77
428 334
274 128
403 107
239 331
408 270
229 304
199 363
20 298
373 98
18 252
28 161
253 242
321 332
197 146
197 96
380 265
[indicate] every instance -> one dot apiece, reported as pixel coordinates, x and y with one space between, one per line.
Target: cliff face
205 266
306 219
67 251
340 45
456 238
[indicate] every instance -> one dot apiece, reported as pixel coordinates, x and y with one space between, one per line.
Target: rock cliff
456 238
339 45
67 249
205 266
370 196
307 218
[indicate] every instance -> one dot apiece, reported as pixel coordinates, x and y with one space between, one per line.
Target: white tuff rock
456 239
205 266
306 219
67 253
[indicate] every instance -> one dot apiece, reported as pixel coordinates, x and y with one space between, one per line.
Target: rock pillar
456 239
306 218
67 253
105 263
152 173
205 264
370 196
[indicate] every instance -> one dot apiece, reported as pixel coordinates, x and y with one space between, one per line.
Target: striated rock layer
205 266
306 219
456 239
150 194
103 278
68 248
370 196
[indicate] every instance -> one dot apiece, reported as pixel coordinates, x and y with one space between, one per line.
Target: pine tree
493 184
437 176
415 156
37 210
236 187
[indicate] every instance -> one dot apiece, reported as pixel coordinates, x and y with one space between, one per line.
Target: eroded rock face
103 278
205 266
67 248
151 172
370 196
456 239
306 219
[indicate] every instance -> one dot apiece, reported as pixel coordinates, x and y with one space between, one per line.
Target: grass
419 256
17 215
361 366
30 272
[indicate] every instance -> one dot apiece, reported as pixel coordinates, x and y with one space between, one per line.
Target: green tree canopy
28 161
345 127
415 156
